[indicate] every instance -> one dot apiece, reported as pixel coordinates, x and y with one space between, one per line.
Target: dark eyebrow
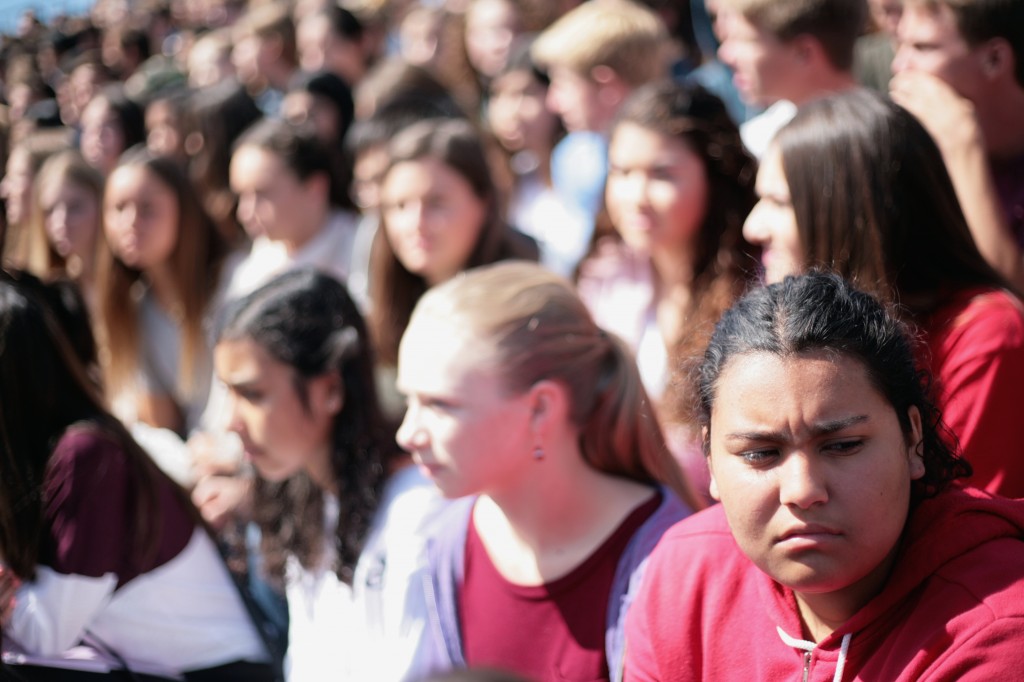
819 429
246 385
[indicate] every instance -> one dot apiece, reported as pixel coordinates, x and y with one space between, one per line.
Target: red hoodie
952 609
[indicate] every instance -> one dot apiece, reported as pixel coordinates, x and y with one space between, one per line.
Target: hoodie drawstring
808 647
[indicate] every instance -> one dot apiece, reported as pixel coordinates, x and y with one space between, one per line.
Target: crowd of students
494 339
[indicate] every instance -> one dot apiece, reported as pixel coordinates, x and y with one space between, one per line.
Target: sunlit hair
623 35
44 390
835 24
535 328
194 266
721 257
36 147
822 312
394 290
67 166
873 201
307 321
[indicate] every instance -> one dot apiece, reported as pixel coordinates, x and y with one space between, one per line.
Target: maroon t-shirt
90 505
554 631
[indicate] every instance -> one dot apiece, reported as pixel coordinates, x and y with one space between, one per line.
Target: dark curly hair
823 312
307 320
699 119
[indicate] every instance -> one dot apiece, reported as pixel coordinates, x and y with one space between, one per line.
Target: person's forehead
934 18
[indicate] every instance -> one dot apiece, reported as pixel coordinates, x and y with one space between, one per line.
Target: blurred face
656 191
763 65
271 198
574 97
16 187
83 84
367 174
71 218
302 107
930 42
321 49
208 64
456 402
432 218
245 59
518 113
491 27
102 136
163 134
140 217
886 14
813 471
280 433
772 223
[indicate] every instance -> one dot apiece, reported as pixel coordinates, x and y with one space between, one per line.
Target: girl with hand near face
157 279
855 184
842 546
341 515
101 552
439 216
519 401
679 187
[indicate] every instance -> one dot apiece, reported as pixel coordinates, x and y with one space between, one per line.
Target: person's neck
673 270
279 77
165 289
822 83
824 613
1000 124
538 529
321 472
317 222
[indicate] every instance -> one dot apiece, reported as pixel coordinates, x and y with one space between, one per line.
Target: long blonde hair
195 265
65 166
538 329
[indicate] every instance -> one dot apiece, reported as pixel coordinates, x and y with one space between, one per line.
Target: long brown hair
874 203
45 390
195 265
393 288
65 166
721 257
537 329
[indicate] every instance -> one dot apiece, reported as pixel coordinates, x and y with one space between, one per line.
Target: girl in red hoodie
841 550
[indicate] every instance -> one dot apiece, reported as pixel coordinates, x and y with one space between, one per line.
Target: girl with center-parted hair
341 512
519 402
440 215
158 276
855 184
843 547
679 187
67 222
104 563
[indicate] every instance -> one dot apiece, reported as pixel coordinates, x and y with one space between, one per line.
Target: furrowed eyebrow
820 429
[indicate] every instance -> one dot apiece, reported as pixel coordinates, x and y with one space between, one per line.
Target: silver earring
538 453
